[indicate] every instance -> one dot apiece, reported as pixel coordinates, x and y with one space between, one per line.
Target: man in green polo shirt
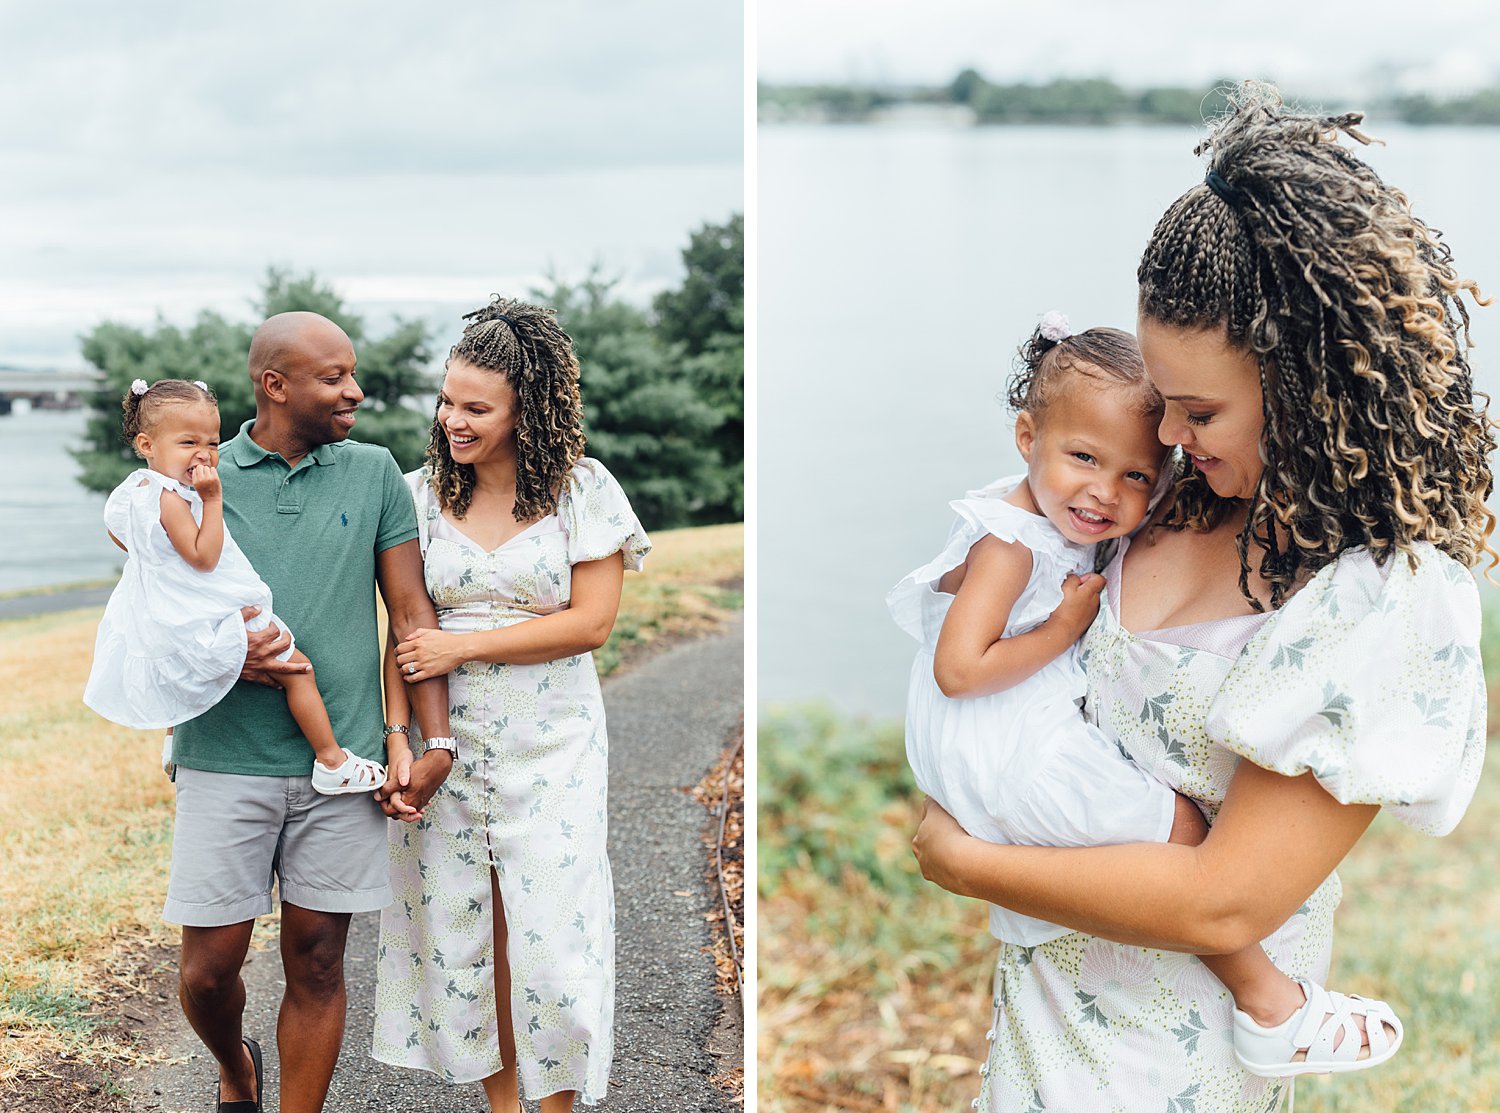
324 520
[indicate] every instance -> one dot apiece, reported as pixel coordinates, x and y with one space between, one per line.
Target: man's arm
398 570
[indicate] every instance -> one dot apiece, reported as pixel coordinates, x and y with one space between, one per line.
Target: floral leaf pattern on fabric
1189 1031
1335 705
1184 1102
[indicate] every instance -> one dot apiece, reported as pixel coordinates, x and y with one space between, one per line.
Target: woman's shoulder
1370 677
597 514
1356 585
590 489
586 474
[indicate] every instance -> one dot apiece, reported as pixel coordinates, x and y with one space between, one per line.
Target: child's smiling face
1093 459
184 436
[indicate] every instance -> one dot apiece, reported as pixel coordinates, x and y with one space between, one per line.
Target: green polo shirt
312 533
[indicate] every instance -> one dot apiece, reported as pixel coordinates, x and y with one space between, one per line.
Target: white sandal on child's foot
1315 1030
357 774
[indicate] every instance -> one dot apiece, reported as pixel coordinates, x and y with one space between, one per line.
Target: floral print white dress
1370 679
526 798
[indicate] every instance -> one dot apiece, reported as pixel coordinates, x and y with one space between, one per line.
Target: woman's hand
938 846
428 653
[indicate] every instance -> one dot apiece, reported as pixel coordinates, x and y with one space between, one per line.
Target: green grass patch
42 1004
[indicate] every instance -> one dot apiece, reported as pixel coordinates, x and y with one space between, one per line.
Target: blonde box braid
1351 307
143 412
524 343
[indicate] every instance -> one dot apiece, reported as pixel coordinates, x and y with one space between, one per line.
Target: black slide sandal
248 1106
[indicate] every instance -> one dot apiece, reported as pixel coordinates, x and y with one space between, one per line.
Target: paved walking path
68 599
669 720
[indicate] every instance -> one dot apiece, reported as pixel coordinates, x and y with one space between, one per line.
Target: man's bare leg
310 1027
213 1000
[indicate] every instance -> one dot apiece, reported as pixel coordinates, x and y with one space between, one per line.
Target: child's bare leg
1253 980
306 704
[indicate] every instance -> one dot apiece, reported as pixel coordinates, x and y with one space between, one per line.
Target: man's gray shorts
234 832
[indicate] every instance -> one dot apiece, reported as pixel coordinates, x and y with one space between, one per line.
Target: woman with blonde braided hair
497 957
1292 641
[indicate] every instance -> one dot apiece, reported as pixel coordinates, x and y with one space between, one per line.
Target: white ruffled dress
172 642
1021 766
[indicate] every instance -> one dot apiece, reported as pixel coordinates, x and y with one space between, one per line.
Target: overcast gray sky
158 155
1316 46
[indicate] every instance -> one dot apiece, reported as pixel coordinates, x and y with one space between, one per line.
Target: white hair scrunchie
201 385
139 387
1055 326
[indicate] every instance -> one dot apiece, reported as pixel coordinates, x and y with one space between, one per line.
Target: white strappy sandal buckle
357 774
1325 1030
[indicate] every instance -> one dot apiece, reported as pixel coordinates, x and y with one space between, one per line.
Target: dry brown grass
846 1022
692 584
88 835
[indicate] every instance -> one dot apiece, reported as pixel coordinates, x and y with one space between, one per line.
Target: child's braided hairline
1351 306
524 343
143 412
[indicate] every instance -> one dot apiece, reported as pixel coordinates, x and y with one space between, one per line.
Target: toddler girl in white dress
993 728
172 641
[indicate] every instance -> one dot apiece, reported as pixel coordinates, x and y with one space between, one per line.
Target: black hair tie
1223 189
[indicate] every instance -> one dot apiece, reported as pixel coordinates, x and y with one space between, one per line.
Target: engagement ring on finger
411 670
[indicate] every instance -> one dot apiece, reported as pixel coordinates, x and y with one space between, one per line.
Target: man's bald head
284 337
302 369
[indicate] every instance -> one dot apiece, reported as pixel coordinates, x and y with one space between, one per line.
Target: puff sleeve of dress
597 516
1369 678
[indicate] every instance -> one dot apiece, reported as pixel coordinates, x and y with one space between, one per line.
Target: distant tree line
1089 101
663 386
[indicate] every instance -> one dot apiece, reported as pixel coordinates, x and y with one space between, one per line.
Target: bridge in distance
46 388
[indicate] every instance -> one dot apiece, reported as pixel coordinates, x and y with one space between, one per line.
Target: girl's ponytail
132 407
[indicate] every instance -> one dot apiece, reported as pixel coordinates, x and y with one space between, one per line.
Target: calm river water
51 530
900 266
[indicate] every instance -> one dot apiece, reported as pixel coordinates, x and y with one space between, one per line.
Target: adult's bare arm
398 570
1275 840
